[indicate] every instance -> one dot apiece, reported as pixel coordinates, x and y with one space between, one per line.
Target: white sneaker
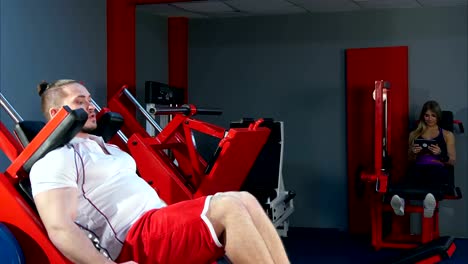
429 205
398 205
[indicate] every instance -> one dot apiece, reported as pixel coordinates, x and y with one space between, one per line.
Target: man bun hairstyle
52 94
41 87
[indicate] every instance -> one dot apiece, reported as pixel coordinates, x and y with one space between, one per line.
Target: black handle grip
169 110
462 129
459 193
209 111
185 109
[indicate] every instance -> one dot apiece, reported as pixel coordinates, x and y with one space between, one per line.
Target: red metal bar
159 171
378 131
171 129
9 144
131 125
389 123
196 168
451 249
210 129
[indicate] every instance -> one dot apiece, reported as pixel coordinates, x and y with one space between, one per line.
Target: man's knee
248 199
223 210
224 205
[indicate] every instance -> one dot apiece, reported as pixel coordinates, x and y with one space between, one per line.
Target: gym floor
308 245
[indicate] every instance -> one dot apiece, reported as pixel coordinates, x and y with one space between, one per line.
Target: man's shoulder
57 156
62 150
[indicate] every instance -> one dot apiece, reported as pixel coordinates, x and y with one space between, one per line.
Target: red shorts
179 233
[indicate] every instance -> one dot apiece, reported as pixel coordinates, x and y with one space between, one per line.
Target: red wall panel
363 67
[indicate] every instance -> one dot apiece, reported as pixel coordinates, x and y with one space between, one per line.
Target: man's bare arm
57 209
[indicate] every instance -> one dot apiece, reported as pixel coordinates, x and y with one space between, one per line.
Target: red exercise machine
170 161
428 247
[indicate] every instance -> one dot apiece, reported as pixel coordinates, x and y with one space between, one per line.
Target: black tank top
441 143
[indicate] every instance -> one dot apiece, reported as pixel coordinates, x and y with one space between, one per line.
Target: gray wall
48 40
291 68
151 51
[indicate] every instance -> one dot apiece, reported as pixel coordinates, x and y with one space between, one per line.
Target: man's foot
398 205
429 205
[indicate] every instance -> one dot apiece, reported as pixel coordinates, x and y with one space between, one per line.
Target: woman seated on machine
431 148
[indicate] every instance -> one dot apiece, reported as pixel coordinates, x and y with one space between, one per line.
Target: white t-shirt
111 196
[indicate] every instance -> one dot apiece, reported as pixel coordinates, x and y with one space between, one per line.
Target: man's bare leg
231 219
263 225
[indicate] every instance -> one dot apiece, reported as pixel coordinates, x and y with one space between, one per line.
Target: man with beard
92 184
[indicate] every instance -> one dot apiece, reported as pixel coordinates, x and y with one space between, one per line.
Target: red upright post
378 125
120 45
178 53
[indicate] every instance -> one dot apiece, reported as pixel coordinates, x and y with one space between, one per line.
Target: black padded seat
448 190
107 126
64 132
27 130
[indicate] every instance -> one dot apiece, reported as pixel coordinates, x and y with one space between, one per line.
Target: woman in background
428 168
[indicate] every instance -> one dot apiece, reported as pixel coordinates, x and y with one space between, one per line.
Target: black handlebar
209 111
185 109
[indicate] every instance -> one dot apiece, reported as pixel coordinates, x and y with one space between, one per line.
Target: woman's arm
451 152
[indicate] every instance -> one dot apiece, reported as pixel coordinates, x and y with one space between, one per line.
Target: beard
89 128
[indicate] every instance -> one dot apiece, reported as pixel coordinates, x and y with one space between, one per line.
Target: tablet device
425 143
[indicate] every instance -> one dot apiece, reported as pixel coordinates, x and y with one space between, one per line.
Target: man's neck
82 135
